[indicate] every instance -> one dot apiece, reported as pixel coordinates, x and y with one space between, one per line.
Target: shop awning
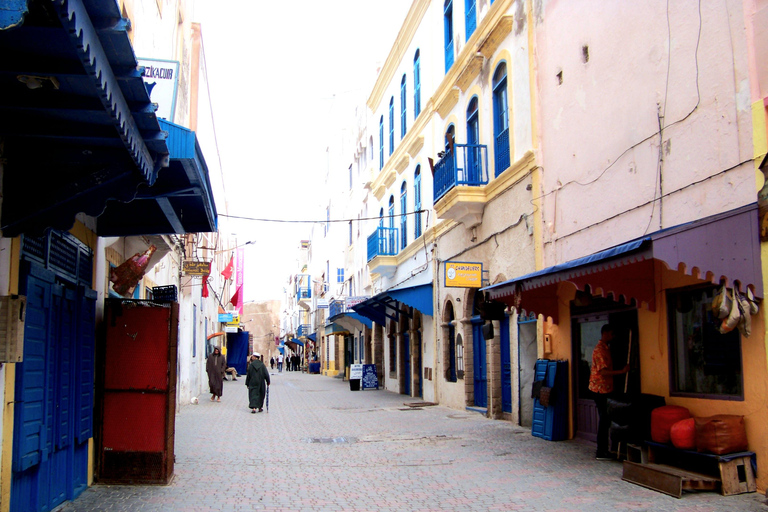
388 304
312 337
333 328
724 246
180 201
350 316
76 119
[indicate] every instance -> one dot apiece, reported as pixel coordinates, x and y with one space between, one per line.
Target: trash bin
354 384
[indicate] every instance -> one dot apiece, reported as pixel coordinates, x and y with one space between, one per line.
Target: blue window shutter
402 108
403 217
86 361
448 30
381 143
30 436
416 85
391 125
64 388
470 16
500 119
417 202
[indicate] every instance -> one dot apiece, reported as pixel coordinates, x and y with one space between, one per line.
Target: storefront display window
703 361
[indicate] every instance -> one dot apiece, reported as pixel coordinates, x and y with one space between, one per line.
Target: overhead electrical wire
323 221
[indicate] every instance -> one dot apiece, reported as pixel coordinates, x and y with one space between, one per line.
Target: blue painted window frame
416 84
474 157
403 108
392 238
403 215
500 119
448 33
417 201
340 275
470 17
381 143
391 125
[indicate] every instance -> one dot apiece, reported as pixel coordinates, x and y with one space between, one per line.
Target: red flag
227 272
236 297
205 287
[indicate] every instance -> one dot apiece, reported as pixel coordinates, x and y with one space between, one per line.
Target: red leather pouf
683 434
662 419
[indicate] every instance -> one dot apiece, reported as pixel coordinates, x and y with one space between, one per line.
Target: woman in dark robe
257 380
214 367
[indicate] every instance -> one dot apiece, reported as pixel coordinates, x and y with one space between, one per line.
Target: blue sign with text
370 379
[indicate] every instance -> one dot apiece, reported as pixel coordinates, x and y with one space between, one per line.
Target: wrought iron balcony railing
303 330
336 307
466 164
382 242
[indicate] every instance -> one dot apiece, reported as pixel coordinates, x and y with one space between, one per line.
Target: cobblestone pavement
323 447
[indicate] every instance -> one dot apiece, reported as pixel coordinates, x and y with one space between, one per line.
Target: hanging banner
239 276
463 274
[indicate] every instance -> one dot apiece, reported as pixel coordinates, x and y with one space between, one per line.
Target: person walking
601 384
215 366
272 363
280 363
257 380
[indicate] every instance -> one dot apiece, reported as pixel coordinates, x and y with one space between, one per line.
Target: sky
275 71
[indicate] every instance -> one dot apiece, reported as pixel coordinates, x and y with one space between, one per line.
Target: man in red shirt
601 384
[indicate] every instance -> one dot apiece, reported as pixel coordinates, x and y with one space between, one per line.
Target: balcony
303 330
303 290
382 251
459 179
336 307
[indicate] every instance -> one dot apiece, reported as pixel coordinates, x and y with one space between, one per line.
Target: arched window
448 33
474 159
391 125
416 85
500 119
402 108
381 143
417 201
470 17
403 216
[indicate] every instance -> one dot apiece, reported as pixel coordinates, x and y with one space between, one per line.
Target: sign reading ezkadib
161 78
463 274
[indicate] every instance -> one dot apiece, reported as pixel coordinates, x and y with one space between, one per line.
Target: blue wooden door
479 363
54 394
506 366
406 364
420 363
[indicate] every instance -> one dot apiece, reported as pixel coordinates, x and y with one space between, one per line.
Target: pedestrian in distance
257 380
601 384
280 363
215 366
272 363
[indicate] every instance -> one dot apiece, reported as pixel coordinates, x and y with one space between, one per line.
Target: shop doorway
479 363
506 366
586 323
527 353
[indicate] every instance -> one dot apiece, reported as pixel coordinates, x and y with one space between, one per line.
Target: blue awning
352 315
418 297
312 336
387 304
180 201
296 341
78 125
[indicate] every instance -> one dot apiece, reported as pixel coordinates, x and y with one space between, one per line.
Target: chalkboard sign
370 379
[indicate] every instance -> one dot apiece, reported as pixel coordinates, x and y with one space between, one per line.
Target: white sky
274 68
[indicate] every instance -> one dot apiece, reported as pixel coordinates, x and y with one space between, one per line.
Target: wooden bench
669 470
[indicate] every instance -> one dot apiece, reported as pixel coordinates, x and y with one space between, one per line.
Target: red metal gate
137 390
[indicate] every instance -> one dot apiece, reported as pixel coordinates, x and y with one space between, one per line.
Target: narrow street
323 447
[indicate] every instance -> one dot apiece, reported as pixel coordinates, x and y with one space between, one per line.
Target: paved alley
322 447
